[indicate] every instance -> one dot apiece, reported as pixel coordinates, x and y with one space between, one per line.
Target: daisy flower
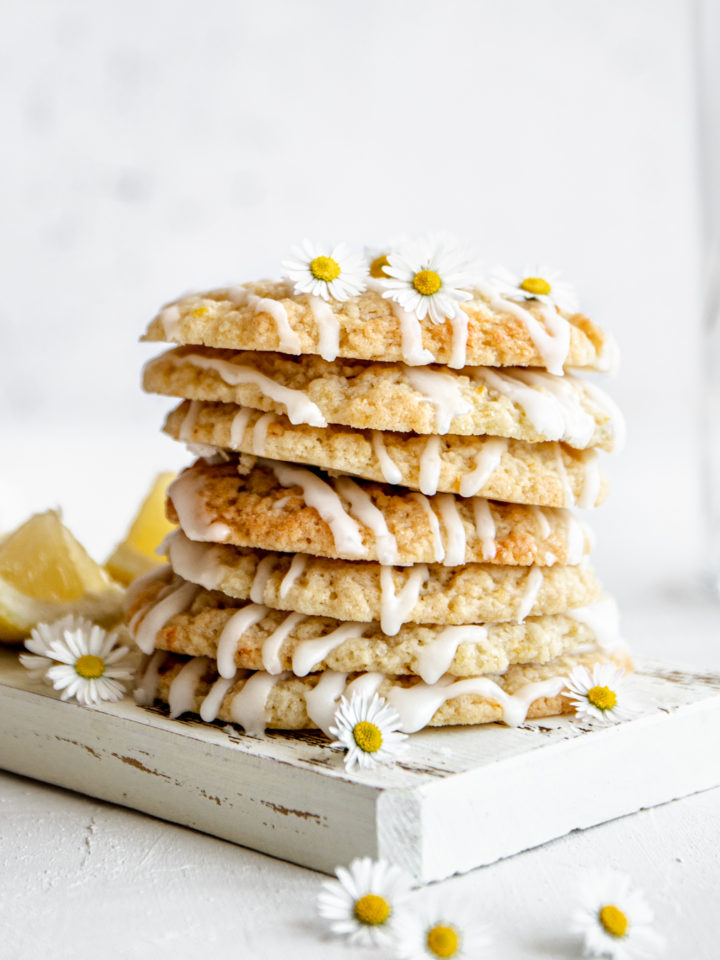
361 903
613 919
368 730
536 283
426 278
79 658
331 273
441 929
600 695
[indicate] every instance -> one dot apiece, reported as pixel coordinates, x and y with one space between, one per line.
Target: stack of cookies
388 452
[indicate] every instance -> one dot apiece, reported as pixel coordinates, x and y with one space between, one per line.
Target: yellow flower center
443 941
602 697
535 285
89 666
372 909
367 736
325 268
614 921
377 267
427 282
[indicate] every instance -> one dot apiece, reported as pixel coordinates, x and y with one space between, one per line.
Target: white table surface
84 879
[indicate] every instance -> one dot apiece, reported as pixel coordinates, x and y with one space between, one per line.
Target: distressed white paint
460 798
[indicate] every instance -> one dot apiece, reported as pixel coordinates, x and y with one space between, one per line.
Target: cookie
260 701
361 591
548 474
268 316
276 506
174 615
516 403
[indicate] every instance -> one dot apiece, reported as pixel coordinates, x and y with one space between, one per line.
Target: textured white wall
154 147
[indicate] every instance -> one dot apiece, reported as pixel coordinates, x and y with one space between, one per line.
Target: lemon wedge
136 555
45 573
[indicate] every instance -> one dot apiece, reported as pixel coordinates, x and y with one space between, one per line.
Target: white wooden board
459 798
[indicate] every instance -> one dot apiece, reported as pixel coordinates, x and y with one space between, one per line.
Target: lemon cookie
520 404
260 701
548 474
356 590
490 330
172 614
277 506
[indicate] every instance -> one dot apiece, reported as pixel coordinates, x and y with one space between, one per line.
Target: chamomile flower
79 658
427 278
361 904
600 695
614 920
38 661
535 283
368 730
440 929
332 273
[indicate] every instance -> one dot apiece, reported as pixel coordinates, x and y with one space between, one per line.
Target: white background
151 148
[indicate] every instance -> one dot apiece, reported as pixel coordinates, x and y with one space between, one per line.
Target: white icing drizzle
434 525
198 562
541 408
189 421
413 352
182 690
170 320
486 463
552 344
295 570
309 653
365 685
459 327
249 704
430 464
396 607
159 614
485 527
262 575
579 424
233 630
390 470
592 480
533 583
272 645
568 492
289 342
213 701
575 536
454 530
320 702
608 405
185 495
328 327
320 495
299 407
542 522
237 427
603 619
418 704
147 688
260 433
443 391
368 514
436 657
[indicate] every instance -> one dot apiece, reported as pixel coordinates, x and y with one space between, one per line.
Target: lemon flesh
136 555
45 573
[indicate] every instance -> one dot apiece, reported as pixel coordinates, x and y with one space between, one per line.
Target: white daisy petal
441 927
559 294
82 660
339 276
362 903
613 919
426 278
377 725
601 695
